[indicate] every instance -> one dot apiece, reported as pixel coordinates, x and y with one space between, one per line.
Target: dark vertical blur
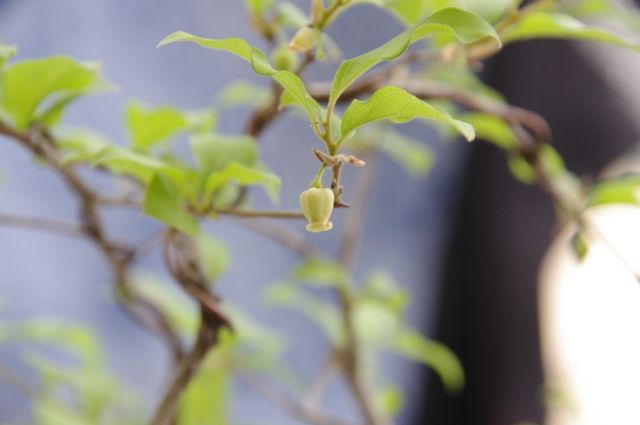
488 309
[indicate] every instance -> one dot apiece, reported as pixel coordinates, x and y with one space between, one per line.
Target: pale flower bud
284 59
304 40
317 205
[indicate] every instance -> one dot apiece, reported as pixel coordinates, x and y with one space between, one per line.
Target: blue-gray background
43 275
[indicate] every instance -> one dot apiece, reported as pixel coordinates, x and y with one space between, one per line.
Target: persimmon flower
317 205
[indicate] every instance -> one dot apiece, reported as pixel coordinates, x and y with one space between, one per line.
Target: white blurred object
590 313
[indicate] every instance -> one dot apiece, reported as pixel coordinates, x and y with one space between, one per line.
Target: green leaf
462 78
412 154
382 288
324 314
140 166
464 26
244 176
258 347
178 309
213 152
442 360
164 202
550 159
206 399
149 126
320 272
49 412
259 7
75 339
31 87
621 190
391 399
399 106
291 15
409 11
491 10
375 324
260 64
6 53
492 129
234 45
241 93
558 25
214 256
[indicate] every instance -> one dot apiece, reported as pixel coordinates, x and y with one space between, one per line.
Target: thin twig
260 214
43 224
319 385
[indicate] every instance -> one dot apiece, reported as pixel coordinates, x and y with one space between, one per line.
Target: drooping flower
317 205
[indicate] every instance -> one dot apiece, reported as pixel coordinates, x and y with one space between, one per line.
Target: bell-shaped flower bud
317 205
304 40
284 59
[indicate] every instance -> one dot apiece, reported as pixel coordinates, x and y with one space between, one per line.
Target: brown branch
36 223
206 339
182 263
319 385
260 214
260 119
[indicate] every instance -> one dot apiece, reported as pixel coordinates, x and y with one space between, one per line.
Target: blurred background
467 241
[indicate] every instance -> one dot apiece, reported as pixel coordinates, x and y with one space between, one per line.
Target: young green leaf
164 202
409 11
242 92
213 152
27 84
375 323
465 26
325 315
492 129
558 25
81 145
234 45
260 64
621 190
291 15
259 7
416 157
391 399
442 360
178 308
320 272
206 398
491 10
245 176
399 106
149 126
214 256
